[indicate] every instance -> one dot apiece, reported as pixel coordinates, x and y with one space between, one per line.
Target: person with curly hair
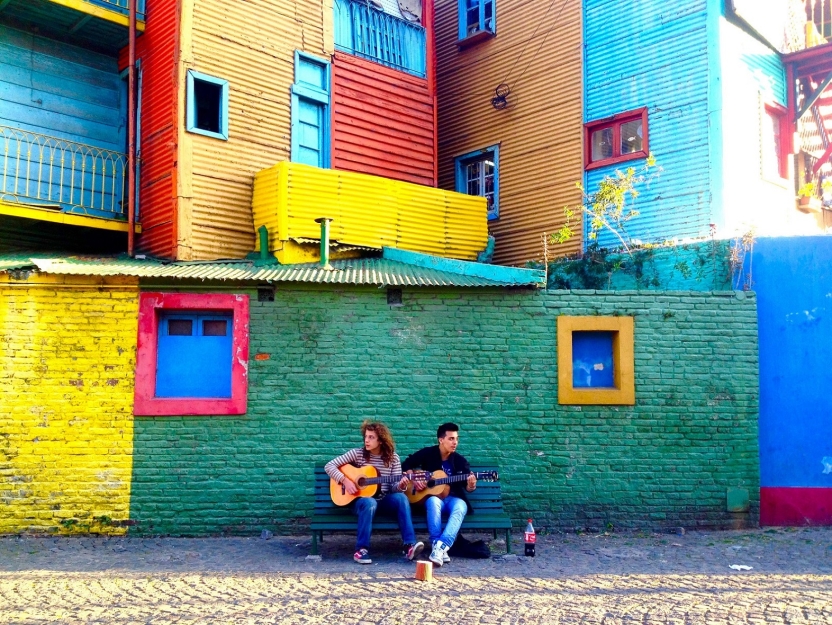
379 451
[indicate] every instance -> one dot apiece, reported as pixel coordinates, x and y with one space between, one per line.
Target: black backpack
464 548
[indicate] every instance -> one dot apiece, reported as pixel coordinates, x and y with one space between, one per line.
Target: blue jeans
452 506
394 503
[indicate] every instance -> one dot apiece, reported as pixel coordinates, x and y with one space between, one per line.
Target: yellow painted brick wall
67 357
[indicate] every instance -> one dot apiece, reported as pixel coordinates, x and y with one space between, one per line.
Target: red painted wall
795 506
157 49
383 121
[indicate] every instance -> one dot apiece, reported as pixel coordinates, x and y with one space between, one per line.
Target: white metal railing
78 178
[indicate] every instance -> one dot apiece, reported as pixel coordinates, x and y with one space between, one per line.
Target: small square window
596 360
192 354
477 173
592 359
622 137
207 105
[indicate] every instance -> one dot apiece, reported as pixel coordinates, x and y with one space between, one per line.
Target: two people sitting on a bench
379 451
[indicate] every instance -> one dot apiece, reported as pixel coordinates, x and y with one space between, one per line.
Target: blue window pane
592 360
196 363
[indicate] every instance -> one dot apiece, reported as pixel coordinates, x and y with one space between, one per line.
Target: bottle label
531 537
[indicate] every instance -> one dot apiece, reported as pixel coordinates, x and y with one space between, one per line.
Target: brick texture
66 391
323 359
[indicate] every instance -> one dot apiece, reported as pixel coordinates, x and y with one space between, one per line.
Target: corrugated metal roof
15 261
362 271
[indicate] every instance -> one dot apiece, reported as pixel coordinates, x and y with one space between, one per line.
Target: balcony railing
72 177
120 6
367 211
375 35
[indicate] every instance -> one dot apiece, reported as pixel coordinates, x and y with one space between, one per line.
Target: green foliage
607 208
695 266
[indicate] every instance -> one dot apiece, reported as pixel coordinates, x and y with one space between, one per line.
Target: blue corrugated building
697 85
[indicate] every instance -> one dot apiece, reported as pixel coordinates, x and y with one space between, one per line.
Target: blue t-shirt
447 467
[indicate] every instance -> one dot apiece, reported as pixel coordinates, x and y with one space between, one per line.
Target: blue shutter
310 111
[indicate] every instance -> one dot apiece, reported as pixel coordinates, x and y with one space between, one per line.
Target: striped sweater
355 457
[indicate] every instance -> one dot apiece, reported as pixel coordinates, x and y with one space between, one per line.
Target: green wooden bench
486 501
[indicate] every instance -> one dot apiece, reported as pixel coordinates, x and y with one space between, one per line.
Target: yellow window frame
624 392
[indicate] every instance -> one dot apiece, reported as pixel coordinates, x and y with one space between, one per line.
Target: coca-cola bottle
530 539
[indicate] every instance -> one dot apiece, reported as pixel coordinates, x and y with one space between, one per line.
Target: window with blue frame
310 111
475 17
193 357
477 173
207 105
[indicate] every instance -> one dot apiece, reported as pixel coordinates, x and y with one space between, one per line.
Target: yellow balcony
367 212
116 11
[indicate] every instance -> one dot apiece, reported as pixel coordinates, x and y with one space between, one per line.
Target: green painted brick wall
485 359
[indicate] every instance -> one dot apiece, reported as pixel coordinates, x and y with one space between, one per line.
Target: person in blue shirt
443 456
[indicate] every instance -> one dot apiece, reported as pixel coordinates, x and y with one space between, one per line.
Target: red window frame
615 123
781 113
151 305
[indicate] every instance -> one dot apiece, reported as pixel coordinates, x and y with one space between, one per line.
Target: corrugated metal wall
368 211
157 49
539 133
252 45
656 54
382 121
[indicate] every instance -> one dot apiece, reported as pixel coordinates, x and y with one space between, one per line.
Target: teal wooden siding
59 90
656 54
63 110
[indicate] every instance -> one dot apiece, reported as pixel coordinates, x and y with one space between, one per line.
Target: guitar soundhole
360 483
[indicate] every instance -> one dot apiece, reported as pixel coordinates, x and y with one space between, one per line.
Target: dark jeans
394 503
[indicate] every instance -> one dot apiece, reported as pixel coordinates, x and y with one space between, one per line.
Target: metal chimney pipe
325 221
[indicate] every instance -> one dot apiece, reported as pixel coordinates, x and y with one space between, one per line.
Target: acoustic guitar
439 484
367 480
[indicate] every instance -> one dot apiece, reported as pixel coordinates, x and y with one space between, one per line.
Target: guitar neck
384 479
458 478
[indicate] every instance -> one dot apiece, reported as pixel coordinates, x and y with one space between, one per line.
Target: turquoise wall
323 359
63 91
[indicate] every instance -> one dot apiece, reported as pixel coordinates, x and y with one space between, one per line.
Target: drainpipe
325 221
131 130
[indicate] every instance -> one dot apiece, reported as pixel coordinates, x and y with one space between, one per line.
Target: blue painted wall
794 303
655 54
60 90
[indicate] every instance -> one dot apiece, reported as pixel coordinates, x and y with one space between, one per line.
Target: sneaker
362 556
445 557
439 553
411 552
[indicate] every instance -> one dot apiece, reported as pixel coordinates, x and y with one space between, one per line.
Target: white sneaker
439 553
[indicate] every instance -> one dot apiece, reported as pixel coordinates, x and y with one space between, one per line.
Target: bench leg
508 541
495 534
314 543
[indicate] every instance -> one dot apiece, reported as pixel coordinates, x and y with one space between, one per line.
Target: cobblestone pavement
597 578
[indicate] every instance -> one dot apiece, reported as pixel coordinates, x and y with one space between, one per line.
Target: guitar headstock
488 476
